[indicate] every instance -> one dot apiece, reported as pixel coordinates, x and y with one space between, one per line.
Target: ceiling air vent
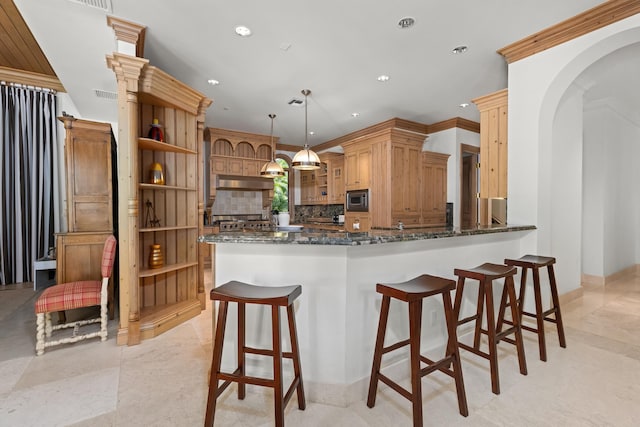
98 4
296 102
106 94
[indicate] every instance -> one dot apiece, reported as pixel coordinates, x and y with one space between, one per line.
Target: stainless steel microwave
358 201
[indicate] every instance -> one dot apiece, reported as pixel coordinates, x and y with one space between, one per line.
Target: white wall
448 142
536 87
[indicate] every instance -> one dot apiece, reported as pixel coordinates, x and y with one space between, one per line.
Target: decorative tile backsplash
316 211
229 202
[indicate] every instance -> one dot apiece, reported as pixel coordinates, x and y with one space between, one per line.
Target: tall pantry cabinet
169 214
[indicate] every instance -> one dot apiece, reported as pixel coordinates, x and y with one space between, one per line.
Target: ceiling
335 48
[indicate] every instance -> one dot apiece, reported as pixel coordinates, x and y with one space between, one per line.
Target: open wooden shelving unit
154 300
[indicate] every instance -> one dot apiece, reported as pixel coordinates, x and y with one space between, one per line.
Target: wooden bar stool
276 297
486 274
534 263
413 292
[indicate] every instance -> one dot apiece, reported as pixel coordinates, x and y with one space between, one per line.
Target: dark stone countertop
311 236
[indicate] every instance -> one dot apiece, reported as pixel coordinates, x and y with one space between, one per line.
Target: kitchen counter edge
310 236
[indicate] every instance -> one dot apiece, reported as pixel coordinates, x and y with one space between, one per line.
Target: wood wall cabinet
153 300
324 186
434 188
238 153
493 144
87 148
335 172
357 159
405 182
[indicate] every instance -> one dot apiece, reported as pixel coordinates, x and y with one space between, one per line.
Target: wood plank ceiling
21 58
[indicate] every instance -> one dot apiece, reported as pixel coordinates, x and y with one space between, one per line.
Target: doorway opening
469 183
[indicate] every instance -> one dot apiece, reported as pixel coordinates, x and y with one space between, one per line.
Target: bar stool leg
241 349
452 349
487 287
539 314
479 308
377 354
556 304
215 364
277 367
415 330
516 324
295 349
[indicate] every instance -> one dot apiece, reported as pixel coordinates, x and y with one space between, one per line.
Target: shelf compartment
152 144
145 186
177 227
151 272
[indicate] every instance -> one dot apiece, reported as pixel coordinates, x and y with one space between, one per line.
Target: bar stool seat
413 292
486 274
276 297
535 263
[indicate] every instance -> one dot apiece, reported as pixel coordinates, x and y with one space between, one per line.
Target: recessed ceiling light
243 31
311 132
383 78
406 22
355 114
459 49
213 82
463 105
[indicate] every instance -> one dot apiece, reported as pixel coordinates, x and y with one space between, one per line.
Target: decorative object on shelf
156 175
156 131
151 220
156 260
272 169
306 159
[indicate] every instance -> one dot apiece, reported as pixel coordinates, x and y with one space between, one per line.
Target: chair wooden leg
452 349
278 400
40 334
48 327
516 324
542 346
295 349
377 353
487 288
415 330
241 347
216 361
556 304
523 292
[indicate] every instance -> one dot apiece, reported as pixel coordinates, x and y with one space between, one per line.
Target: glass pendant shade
272 169
305 159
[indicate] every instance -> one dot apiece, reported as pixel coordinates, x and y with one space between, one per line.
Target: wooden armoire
88 148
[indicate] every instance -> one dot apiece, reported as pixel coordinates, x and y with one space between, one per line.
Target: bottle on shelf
156 131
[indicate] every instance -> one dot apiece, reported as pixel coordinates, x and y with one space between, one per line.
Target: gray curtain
27 167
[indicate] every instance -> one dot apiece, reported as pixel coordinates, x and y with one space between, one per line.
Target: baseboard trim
590 280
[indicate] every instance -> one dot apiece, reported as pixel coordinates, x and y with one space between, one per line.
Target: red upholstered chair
67 296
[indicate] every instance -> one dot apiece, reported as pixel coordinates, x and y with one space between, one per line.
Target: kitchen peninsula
338 311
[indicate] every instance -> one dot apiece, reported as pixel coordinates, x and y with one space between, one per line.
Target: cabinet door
434 206
405 184
88 157
251 168
218 165
357 222
351 170
336 183
235 167
364 169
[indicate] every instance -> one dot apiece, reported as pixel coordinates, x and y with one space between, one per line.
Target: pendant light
272 169
305 159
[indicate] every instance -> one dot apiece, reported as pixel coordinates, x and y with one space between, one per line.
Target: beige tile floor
595 381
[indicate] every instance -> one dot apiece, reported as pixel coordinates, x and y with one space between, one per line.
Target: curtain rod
35 88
